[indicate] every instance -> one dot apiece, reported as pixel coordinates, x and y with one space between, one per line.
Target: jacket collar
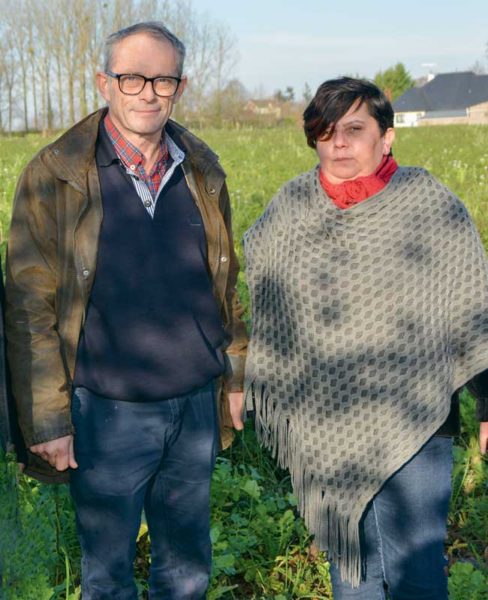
71 156
199 154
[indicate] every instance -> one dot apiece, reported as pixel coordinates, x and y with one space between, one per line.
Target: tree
394 81
2 86
43 21
224 62
32 30
56 27
51 50
478 68
9 72
288 95
230 101
307 93
17 14
279 96
199 65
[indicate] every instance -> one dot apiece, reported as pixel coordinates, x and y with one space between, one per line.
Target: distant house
446 99
266 108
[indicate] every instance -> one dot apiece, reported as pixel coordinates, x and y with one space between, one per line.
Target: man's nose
147 91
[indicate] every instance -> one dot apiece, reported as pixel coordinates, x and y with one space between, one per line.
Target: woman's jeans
156 456
404 530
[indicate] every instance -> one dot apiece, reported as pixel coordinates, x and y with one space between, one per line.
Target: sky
289 42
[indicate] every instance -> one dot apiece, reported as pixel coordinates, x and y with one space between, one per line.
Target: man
121 301
10 436
5 409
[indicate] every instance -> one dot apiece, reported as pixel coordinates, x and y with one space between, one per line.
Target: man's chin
147 127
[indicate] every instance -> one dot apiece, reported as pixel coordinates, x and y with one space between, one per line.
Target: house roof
447 91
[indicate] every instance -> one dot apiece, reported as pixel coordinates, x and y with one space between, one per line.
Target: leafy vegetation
394 81
262 550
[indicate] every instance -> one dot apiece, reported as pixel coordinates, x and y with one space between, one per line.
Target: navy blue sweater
153 329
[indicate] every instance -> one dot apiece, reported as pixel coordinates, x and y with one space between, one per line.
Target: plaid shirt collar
133 159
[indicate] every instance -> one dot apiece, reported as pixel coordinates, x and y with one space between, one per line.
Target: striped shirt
147 185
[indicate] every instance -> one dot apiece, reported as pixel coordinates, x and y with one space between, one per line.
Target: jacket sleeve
39 380
236 328
478 387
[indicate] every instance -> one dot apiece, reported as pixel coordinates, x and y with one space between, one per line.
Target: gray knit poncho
365 321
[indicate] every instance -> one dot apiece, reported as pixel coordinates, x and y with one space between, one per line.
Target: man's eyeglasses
132 84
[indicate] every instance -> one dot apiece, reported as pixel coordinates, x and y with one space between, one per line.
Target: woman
369 290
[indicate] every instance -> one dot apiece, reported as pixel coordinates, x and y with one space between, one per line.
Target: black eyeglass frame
118 76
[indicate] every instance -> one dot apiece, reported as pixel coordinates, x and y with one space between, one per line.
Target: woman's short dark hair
335 97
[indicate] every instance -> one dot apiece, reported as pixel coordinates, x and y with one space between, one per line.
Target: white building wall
408 119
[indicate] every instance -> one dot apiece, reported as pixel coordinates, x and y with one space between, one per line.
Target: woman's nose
339 138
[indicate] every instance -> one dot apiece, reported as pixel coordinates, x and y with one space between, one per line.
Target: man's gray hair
155 29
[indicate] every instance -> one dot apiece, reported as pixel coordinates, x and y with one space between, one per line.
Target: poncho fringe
337 530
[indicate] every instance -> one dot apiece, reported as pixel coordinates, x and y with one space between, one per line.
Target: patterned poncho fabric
365 321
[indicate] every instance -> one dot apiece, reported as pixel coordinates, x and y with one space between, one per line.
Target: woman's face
356 147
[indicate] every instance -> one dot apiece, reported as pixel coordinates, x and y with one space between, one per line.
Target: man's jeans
156 456
404 529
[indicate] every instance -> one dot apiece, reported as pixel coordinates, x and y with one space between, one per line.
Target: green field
261 548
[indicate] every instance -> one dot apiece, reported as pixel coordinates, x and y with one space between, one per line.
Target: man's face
356 147
144 115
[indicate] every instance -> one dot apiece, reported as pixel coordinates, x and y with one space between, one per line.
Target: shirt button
147 203
211 190
86 273
223 259
133 167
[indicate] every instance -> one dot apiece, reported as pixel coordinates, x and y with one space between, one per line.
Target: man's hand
236 405
58 453
484 437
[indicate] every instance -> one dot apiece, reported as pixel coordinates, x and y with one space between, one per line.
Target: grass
261 548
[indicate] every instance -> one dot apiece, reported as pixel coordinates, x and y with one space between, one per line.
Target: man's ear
103 85
181 88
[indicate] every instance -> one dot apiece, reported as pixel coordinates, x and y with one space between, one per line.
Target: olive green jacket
51 263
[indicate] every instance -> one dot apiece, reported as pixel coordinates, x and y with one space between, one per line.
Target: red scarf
351 192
